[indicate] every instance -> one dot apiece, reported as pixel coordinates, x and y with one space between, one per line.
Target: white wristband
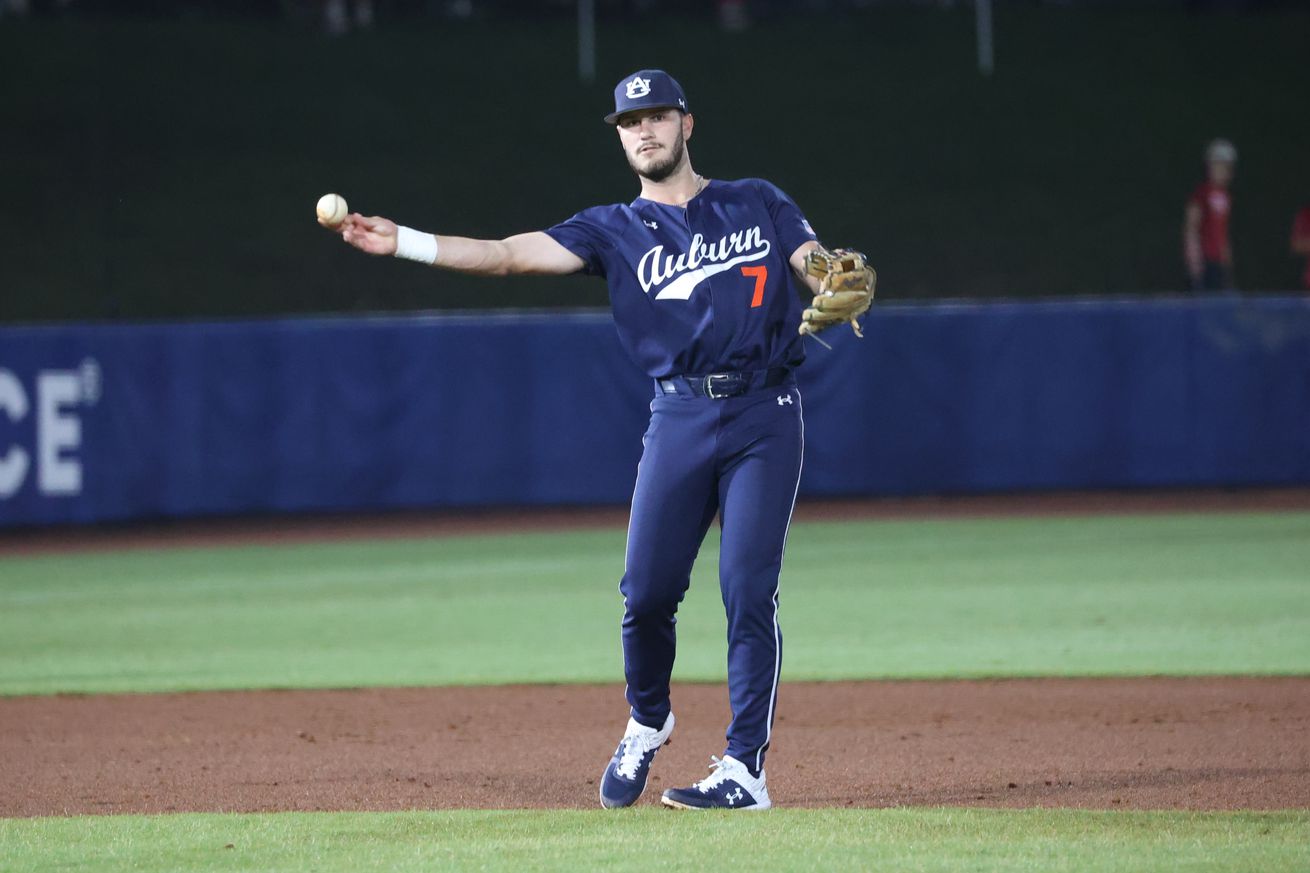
414 245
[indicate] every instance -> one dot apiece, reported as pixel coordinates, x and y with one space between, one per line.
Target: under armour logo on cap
638 87
647 89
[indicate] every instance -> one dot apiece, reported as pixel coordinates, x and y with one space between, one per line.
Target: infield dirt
1103 743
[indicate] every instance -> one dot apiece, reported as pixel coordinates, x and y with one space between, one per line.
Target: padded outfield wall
116 422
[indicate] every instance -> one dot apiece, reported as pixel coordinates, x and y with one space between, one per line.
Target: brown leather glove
846 286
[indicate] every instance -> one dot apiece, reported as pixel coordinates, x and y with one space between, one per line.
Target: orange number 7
760 275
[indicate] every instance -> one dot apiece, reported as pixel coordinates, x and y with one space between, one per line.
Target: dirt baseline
1210 743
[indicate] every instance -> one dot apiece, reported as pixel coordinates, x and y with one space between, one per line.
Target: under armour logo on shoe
734 796
784 399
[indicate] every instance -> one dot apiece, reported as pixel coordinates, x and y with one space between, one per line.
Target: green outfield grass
1116 595
901 839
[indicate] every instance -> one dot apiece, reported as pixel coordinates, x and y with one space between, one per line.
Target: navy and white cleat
625 777
730 786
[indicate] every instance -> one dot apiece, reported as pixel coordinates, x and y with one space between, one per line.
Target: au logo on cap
641 91
638 87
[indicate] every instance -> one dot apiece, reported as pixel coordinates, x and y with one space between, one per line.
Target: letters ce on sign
58 431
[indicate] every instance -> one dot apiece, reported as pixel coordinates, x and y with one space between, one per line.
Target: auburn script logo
675 277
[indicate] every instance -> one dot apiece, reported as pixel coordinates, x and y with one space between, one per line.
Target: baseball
332 209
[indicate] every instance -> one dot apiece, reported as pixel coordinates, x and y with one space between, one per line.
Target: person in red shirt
1301 242
1207 251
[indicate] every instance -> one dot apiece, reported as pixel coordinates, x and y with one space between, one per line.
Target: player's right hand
375 235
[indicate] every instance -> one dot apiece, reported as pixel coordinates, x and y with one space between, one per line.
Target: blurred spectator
1301 242
338 15
733 15
22 8
1207 251
459 8
332 16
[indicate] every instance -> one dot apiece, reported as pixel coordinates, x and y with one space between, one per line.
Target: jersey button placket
693 220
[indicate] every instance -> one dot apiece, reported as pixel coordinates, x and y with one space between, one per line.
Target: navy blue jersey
702 289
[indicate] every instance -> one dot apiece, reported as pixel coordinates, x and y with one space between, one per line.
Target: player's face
655 142
1221 172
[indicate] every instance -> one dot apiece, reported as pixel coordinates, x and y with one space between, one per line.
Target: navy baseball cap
647 89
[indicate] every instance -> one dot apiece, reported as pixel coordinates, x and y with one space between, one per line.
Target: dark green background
156 168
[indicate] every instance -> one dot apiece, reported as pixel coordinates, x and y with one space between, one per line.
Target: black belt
717 386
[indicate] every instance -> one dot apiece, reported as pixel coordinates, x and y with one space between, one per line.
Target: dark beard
661 170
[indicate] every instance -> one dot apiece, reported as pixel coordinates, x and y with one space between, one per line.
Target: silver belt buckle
708 385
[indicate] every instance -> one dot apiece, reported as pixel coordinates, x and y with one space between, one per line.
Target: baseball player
699 275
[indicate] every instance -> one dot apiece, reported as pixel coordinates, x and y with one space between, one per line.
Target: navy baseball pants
739 457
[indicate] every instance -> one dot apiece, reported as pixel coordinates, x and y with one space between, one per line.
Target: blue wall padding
389 413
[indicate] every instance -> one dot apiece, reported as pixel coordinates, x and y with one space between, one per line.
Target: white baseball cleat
625 777
730 786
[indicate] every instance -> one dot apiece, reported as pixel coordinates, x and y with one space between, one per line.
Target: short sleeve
587 237
793 230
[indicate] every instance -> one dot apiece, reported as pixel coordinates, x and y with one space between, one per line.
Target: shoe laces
720 775
634 749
